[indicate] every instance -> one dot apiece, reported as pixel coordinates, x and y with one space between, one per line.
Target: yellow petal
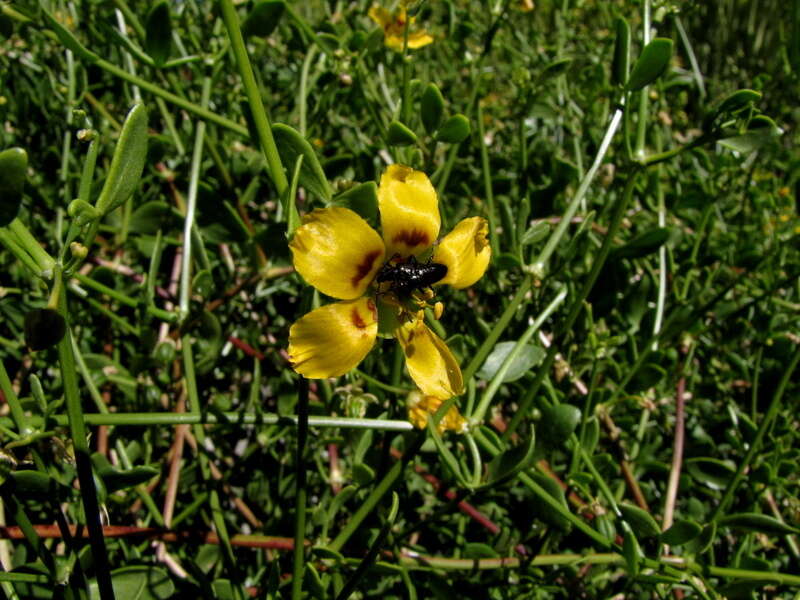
421 407
337 252
418 39
429 361
333 339
465 252
380 15
409 211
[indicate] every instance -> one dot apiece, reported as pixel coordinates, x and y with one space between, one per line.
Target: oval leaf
558 423
622 53
13 167
264 18
529 356
454 130
544 511
507 464
400 135
653 61
291 145
641 521
431 106
643 244
361 199
158 33
758 523
128 162
681 532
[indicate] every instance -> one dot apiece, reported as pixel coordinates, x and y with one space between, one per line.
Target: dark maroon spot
357 320
412 238
364 267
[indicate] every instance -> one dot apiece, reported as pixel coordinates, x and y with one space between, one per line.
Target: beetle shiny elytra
405 277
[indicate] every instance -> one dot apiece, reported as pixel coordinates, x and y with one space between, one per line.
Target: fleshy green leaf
758 523
681 532
158 32
528 357
544 511
431 106
737 101
651 64
263 18
643 244
631 550
558 422
13 167
400 135
641 521
454 130
762 131
622 53
361 198
138 583
128 161
554 69
535 233
507 464
291 145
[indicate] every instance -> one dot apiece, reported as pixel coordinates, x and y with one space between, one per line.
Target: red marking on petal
412 238
364 267
357 319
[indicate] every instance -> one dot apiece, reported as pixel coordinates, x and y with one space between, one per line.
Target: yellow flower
338 253
420 407
394 25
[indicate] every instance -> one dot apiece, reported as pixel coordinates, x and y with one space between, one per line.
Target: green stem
31 245
80 445
302 92
14 405
301 493
164 315
150 419
260 118
191 205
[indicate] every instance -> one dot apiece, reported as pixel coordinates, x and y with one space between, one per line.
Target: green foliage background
682 353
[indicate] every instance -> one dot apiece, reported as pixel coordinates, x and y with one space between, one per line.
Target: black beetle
411 275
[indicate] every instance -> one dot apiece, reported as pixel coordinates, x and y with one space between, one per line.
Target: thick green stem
80 445
260 118
301 493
